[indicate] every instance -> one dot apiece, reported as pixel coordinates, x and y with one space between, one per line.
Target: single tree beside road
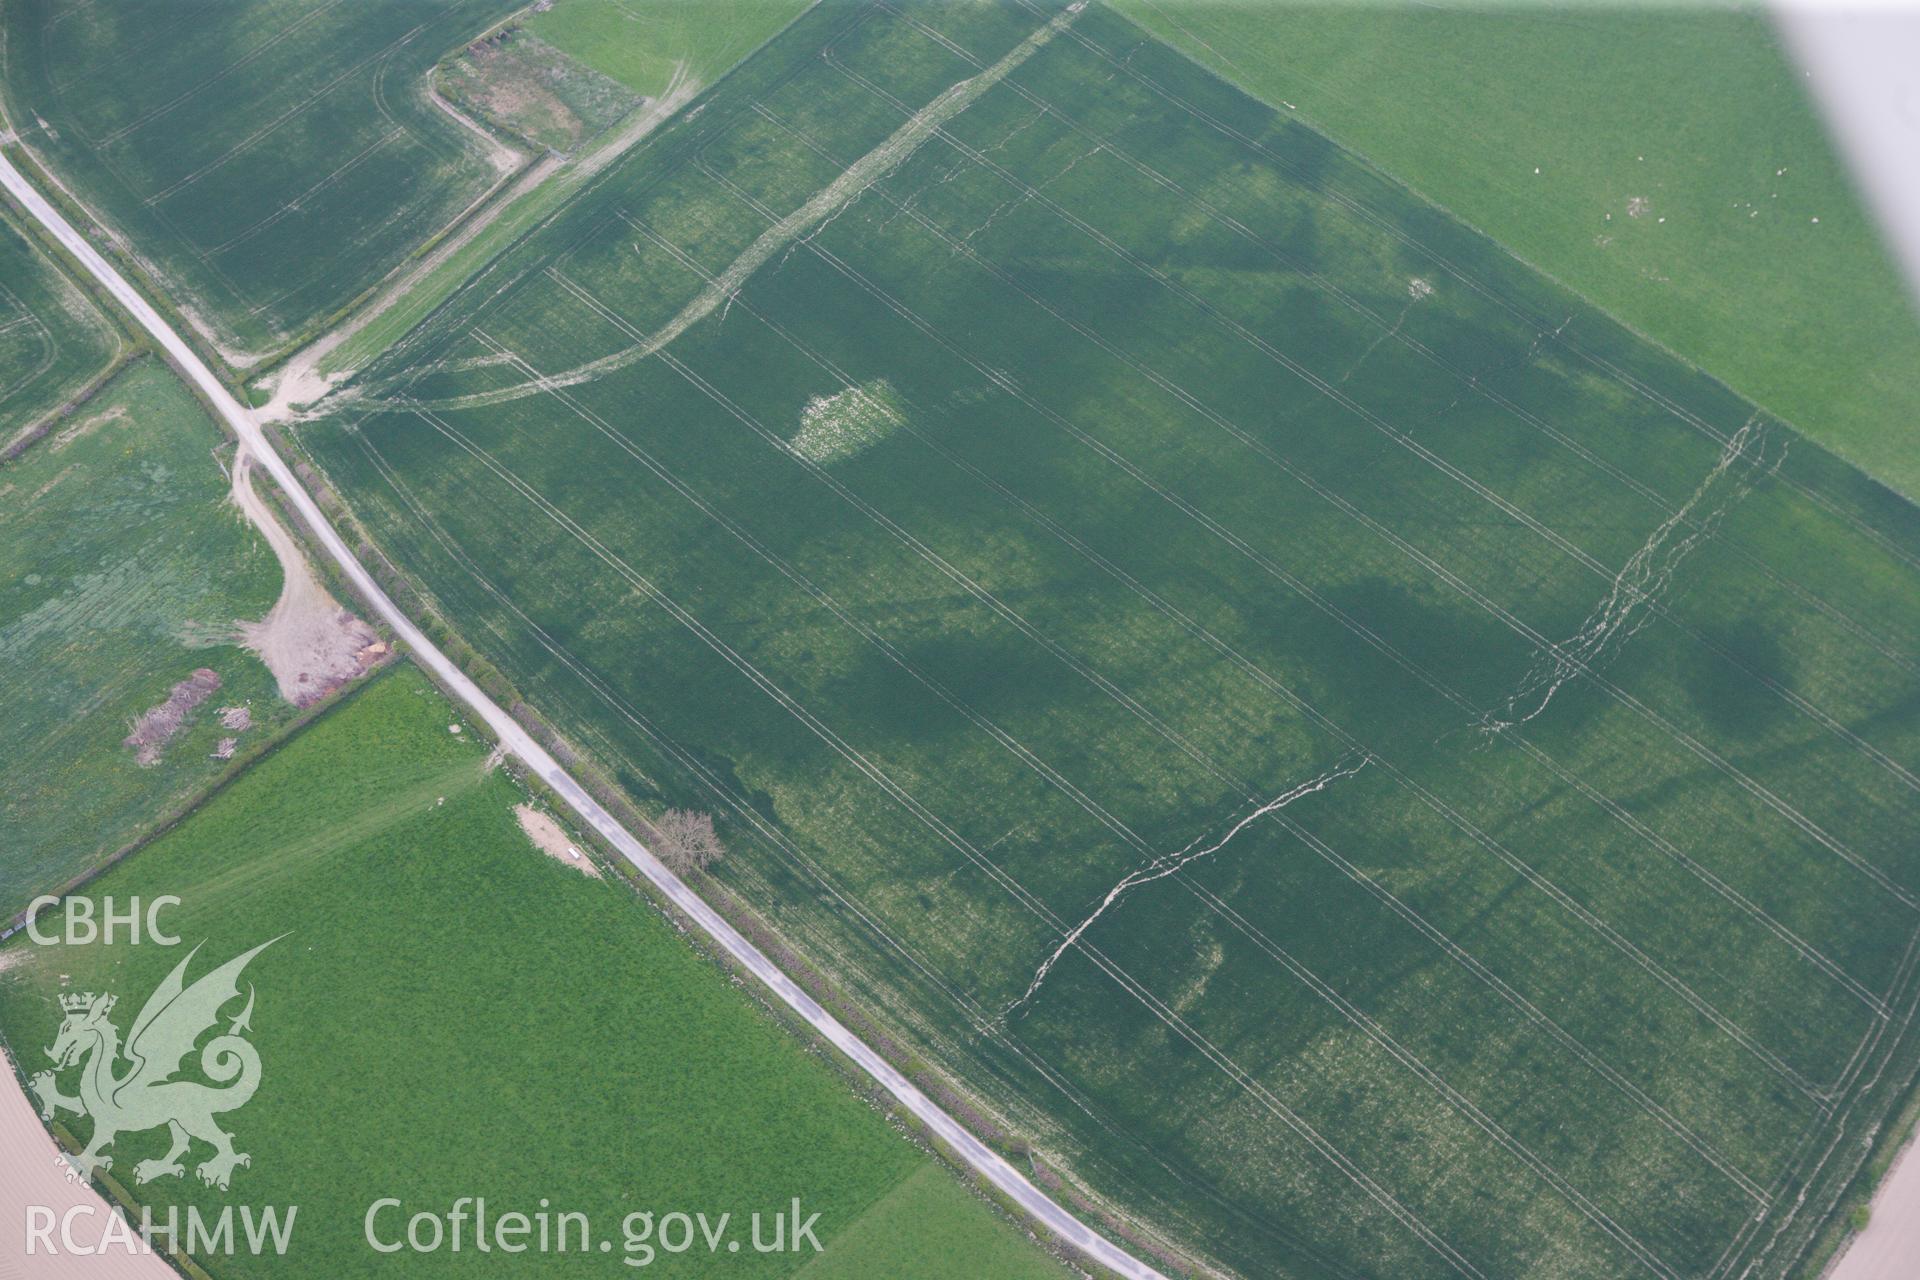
687 842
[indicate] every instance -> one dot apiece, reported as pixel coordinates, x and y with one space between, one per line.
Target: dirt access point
310 643
552 841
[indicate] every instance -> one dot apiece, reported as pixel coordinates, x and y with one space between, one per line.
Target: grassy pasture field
123 568
644 44
53 340
452 1013
1365 760
1694 111
270 160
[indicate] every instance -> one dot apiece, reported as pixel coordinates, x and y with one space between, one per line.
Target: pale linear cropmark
1647 573
1546 1172
825 205
734 803
1421 451
1474 384
1754 788
1555 335
1166 864
978 1016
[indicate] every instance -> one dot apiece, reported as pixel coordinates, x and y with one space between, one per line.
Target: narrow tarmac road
516 740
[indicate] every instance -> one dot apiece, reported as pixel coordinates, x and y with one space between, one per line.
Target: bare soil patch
157 726
552 841
310 643
849 422
528 88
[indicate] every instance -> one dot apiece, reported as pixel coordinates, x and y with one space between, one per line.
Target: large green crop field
448 1012
123 569
1368 762
1665 161
53 340
270 161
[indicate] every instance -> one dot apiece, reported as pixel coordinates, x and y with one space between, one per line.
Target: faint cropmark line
146 1094
1172 863
1636 590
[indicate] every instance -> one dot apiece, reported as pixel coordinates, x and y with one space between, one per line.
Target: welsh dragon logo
146 1095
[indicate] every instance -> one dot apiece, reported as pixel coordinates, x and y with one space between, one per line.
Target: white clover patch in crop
849 422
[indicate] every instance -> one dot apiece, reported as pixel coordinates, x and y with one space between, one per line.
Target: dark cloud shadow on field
1694 777
1731 701
996 672
1310 156
1277 246
1062 279
1445 635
